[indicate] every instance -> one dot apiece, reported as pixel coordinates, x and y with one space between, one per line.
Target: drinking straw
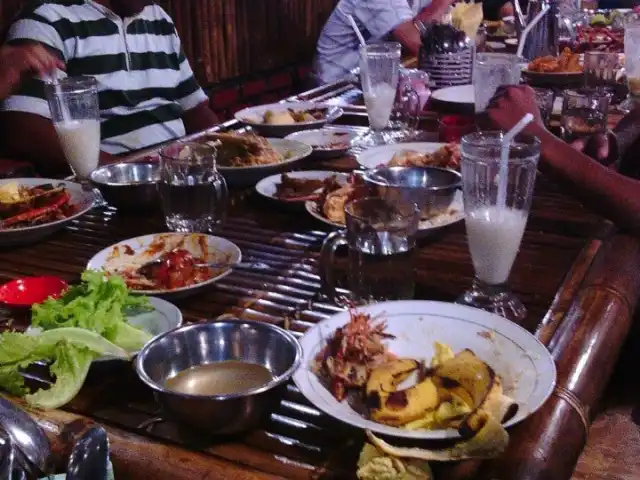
503 172
528 28
363 43
356 30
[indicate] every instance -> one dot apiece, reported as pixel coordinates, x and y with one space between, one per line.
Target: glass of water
632 61
494 231
544 99
381 238
192 191
411 98
379 67
493 70
584 113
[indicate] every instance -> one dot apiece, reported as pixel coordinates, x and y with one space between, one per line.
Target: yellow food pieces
11 193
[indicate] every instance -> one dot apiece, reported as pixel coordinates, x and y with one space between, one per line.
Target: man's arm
600 188
407 33
199 118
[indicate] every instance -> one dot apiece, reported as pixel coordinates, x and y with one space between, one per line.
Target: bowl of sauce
220 377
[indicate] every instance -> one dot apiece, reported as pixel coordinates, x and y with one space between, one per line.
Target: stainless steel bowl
199 344
431 188
129 186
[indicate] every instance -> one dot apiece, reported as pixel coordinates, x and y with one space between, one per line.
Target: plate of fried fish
295 188
564 70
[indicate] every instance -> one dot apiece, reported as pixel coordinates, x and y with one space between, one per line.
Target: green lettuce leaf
100 304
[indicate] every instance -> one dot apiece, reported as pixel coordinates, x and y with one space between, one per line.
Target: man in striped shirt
147 90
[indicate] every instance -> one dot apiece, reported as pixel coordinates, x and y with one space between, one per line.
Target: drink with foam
80 141
75 113
495 231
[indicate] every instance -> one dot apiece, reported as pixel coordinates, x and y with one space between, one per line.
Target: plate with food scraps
454 214
326 143
295 188
415 154
244 159
281 119
427 366
34 208
157 264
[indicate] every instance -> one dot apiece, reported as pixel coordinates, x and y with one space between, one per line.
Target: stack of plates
449 69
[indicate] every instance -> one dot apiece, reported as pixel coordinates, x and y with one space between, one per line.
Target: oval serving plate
267 186
327 142
525 365
83 200
373 157
216 249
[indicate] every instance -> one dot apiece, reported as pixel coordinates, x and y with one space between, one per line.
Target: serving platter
82 199
252 117
208 247
267 187
553 79
326 143
373 157
291 151
525 365
454 215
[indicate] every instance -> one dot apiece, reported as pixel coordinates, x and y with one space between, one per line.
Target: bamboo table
578 277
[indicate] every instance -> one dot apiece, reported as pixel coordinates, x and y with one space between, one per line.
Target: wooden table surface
576 275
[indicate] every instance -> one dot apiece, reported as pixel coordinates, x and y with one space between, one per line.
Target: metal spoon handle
240 265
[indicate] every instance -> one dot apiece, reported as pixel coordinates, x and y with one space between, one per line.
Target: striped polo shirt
145 83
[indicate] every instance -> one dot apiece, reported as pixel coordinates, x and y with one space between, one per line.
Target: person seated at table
27 59
598 184
337 52
147 91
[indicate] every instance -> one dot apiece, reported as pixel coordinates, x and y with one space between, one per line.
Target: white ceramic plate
525 365
165 316
372 157
267 186
20 236
321 141
292 152
253 116
453 215
460 94
217 250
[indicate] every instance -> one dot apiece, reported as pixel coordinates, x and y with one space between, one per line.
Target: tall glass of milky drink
73 102
495 224
379 68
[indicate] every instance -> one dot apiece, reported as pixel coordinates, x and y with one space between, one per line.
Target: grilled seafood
335 196
22 206
298 189
566 62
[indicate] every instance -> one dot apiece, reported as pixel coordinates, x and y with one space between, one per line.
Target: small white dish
524 364
326 143
458 95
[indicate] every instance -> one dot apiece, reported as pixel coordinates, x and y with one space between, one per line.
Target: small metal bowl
431 188
129 186
200 344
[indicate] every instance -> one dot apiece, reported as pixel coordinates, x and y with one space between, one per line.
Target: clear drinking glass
381 237
544 99
495 232
73 102
493 70
193 192
379 65
600 69
584 113
411 97
632 61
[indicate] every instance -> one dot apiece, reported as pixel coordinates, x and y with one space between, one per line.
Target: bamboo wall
225 39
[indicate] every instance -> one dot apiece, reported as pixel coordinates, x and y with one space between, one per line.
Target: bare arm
199 118
408 35
600 188
32 138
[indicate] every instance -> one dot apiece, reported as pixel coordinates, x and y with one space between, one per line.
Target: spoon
89 458
26 436
147 267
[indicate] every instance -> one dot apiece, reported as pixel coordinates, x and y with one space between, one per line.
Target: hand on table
21 59
510 104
